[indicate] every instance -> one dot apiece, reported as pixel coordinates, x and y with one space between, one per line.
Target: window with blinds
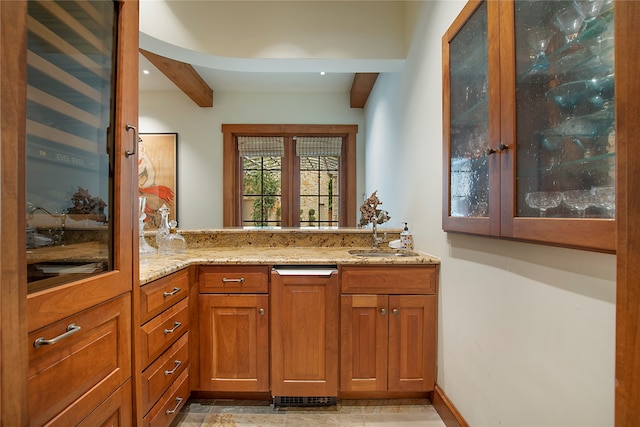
319 180
262 180
312 188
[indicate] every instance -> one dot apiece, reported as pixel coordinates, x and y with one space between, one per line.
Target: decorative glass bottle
163 228
174 243
144 247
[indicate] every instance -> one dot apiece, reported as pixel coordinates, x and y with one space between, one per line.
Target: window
289 175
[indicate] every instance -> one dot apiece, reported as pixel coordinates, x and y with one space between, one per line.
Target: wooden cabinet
163 348
388 338
304 332
69 89
234 328
527 154
88 358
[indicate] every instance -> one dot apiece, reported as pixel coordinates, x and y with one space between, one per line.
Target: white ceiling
284 45
238 81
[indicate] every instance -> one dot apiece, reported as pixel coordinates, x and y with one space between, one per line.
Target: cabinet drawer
116 411
79 371
163 330
157 296
164 412
161 373
234 279
389 279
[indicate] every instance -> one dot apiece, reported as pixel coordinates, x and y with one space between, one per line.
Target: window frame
232 170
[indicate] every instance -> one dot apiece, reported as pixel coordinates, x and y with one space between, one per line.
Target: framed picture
158 175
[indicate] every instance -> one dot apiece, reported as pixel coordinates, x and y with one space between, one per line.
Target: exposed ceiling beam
184 76
361 88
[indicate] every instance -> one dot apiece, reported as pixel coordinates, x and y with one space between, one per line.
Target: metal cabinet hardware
173 292
71 329
171 411
136 140
177 364
176 324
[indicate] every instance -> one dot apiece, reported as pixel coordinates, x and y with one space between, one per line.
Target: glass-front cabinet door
77 187
69 148
471 119
547 162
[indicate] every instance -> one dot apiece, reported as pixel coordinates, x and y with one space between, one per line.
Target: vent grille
304 400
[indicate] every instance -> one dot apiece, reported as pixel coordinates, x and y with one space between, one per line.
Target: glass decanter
174 243
144 247
163 228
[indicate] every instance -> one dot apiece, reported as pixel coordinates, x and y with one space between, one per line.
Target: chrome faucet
375 240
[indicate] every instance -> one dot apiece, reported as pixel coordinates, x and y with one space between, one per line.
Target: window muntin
319 191
262 191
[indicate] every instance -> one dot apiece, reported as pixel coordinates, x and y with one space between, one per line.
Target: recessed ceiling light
322 73
145 71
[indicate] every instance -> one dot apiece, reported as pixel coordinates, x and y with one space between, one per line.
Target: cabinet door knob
261 312
395 311
383 311
489 151
502 147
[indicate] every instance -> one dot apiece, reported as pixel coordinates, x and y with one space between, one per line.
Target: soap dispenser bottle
406 239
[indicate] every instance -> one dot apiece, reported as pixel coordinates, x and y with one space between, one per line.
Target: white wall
200 137
526 332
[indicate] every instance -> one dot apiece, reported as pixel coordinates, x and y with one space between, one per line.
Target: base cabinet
87 360
234 328
116 411
388 341
304 335
234 342
164 349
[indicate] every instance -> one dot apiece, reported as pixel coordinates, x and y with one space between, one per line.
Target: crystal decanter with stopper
174 243
144 247
163 228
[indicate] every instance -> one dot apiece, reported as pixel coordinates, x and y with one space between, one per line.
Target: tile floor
351 413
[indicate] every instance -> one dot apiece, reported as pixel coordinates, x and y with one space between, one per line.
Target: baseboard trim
447 411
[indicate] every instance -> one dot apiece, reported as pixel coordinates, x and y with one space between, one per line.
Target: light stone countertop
153 267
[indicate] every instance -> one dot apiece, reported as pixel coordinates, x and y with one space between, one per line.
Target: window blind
261 146
318 146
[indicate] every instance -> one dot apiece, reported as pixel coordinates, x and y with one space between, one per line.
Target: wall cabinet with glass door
71 198
529 122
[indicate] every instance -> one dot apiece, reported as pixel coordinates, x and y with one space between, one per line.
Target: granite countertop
153 267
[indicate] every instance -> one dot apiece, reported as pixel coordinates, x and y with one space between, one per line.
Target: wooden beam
184 76
361 88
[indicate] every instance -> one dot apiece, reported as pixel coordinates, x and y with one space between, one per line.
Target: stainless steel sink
383 253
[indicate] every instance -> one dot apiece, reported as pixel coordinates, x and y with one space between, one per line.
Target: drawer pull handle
227 280
176 325
395 311
71 329
178 402
177 364
173 292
